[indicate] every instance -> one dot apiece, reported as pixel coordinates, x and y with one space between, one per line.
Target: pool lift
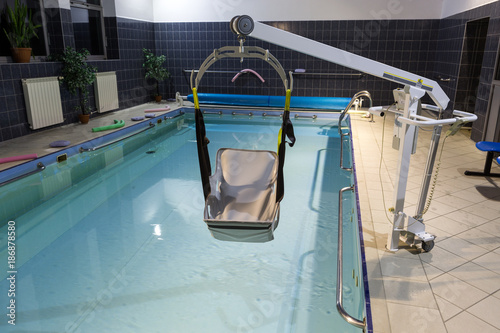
242 196
408 118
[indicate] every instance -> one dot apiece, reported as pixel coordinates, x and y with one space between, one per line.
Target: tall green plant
154 68
78 75
20 27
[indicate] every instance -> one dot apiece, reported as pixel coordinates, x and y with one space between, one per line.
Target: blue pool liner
299 102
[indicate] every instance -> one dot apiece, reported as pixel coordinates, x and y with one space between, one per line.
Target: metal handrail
189 71
39 167
173 117
242 114
340 308
272 115
215 112
362 93
82 149
330 74
297 116
462 116
342 151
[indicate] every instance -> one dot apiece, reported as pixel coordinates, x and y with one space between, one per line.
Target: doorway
491 130
471 64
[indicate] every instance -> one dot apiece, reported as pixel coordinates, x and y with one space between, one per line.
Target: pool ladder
362 93
340 308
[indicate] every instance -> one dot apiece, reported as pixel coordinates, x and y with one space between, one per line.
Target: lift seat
243 189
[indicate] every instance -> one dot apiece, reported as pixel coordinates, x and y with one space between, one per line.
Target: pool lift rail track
415 87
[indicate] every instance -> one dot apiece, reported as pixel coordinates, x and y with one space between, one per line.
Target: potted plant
78 75
154 69
20 30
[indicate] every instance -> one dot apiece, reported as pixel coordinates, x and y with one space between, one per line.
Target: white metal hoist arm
245 26
415 87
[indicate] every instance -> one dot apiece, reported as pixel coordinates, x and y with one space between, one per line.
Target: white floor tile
462 248
456 291
410 319
402 267
448 224
442 259
490 261
431 271
452 201
478 276
442 208
487 310
447 309
492 227
465 221
467 218
467 323
485 210
409 292
380 316
487 240
439 234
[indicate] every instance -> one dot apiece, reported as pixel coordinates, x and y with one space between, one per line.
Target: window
39 45
88 26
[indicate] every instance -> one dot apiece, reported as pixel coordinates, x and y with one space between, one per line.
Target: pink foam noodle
248 71
18 158
167 108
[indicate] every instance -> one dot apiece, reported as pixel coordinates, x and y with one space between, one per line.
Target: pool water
122 247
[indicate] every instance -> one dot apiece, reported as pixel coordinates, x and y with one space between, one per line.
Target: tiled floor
455 287
38 143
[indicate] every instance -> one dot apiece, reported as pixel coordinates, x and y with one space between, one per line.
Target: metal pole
436 135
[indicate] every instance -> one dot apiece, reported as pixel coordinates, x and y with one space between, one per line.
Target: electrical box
399 104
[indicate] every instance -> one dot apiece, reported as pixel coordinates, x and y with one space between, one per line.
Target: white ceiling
285 10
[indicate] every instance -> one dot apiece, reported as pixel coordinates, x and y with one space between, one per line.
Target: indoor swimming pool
111 238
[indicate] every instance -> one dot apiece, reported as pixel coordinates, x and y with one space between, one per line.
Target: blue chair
491 148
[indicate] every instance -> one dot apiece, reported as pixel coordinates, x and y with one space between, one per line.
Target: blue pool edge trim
369 319
29 166
299 102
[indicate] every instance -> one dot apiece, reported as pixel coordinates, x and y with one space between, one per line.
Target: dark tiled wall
111 27
133 36
430 48
471 64
408 45
59 29
126 38
448 56
54 29
13 118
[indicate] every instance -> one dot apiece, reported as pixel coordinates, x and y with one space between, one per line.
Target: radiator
106 91
43 101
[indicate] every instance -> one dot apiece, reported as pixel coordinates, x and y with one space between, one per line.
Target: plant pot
158 99
21 55
84 118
